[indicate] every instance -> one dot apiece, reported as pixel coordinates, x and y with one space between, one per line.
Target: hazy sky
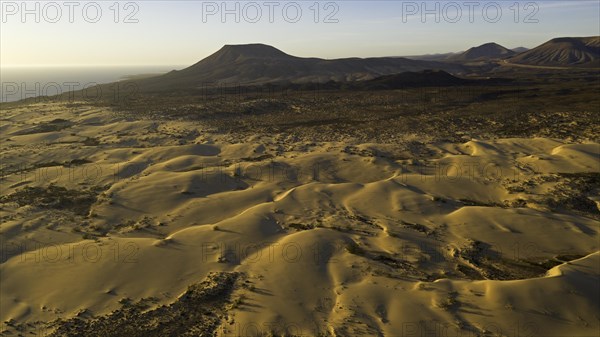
183 32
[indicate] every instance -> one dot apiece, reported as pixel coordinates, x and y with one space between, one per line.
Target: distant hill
255 64
432 57
405 80
486 51
520 49
426 78
564 51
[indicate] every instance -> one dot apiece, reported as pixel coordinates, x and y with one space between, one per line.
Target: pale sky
183 32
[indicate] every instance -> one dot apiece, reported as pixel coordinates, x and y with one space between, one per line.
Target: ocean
21 82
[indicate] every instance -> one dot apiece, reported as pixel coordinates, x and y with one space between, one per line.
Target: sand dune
488 237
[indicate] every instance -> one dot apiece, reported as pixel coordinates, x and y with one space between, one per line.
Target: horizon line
255 43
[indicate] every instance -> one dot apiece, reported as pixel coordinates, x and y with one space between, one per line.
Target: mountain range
255 64
259 64
563 52
486 51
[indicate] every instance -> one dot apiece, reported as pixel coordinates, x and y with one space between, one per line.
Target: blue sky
183 32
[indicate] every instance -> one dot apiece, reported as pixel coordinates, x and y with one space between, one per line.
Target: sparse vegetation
52 126
55 197
527 106
573 193
354 248
197 312
301 226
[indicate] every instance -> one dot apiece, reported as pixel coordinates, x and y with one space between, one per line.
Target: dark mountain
256 64
426 78
564 51
484 52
